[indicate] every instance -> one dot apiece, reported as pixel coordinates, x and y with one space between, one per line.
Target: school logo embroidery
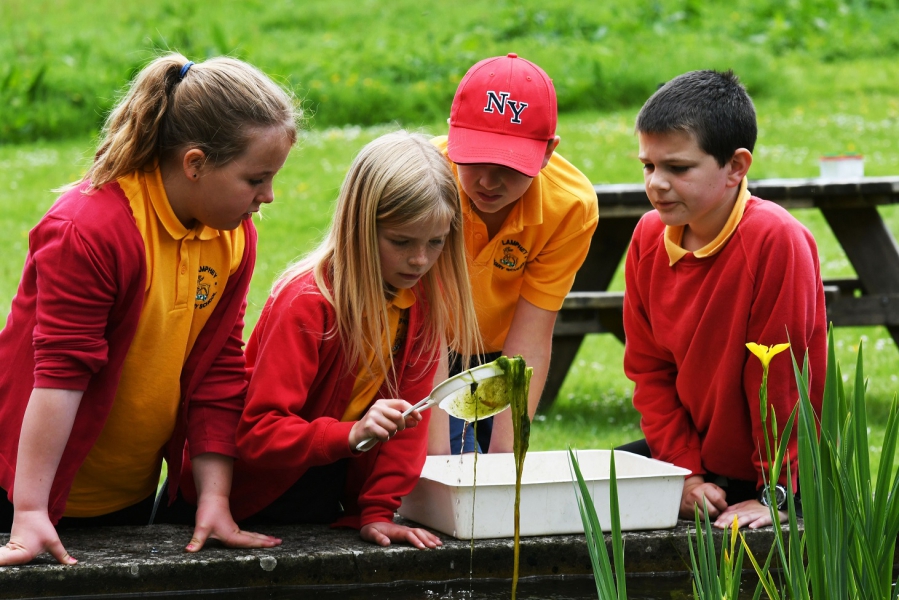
499 102
508 258
207 281
514 256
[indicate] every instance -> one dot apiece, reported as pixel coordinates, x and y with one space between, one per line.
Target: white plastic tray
649 493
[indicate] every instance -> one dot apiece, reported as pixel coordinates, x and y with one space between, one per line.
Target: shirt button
478 236
183 269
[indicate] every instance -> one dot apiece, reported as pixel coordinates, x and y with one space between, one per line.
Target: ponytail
173 104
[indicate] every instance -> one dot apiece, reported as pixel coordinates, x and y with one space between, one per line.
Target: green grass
373 61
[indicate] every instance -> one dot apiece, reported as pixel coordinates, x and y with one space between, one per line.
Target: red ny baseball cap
504 113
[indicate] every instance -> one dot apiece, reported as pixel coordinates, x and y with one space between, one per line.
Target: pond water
578 587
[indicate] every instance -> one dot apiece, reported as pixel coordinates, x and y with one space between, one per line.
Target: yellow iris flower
766 353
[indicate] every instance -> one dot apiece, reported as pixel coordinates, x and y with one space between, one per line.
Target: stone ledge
128 560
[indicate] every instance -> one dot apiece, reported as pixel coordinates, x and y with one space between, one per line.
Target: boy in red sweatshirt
710 269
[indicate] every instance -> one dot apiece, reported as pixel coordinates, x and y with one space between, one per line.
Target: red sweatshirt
72 322
300 386
687 325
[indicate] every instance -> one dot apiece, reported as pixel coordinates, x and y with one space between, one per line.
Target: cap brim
466 146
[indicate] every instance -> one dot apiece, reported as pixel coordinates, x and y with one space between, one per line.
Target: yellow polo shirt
367 386
187 271
536 253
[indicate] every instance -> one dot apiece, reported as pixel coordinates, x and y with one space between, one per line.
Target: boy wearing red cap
709 270
529 217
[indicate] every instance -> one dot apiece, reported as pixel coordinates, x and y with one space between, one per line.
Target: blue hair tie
185 69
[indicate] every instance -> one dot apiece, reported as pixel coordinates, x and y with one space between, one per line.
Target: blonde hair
398 179
215 106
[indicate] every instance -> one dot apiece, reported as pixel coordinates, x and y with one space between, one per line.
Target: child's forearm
46 427
530 335
212 475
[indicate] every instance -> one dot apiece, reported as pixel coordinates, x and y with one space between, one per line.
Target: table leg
607 250
870 247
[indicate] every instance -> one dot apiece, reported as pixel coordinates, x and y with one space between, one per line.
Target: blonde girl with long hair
124 342
349 338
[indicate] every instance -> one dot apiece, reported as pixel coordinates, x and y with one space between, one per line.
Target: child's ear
738 166
550 148
192 163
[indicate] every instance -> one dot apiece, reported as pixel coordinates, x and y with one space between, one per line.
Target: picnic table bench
849 207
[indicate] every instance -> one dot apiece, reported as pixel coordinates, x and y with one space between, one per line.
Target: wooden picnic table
849 206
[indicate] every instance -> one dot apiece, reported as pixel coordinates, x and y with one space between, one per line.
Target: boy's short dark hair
712 105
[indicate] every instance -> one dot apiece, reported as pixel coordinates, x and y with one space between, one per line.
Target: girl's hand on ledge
214 521
383 534
33 533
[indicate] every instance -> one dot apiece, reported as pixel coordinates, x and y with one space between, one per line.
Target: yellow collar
404 298
532 204
674 235
150 185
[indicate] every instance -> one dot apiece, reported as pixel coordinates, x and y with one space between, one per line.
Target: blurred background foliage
64 62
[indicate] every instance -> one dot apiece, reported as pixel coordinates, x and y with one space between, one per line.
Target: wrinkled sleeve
788 306
283 357
550 275
76 290
667 426
216 400
391 470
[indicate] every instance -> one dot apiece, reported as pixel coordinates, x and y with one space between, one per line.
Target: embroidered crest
207 281
514 256
508 258
500 101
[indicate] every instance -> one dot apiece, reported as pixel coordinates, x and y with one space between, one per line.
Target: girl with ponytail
123 346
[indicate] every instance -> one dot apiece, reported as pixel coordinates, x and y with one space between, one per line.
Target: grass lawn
374 61
593 409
